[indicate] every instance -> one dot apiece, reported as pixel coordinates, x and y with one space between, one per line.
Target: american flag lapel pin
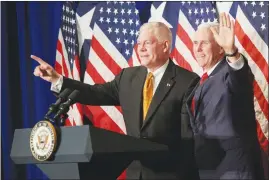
168 84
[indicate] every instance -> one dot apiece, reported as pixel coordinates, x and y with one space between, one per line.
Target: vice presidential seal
43 139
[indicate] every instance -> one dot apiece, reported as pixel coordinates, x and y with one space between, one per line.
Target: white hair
160 31
208 25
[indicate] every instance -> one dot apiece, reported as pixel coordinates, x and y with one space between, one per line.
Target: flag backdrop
97 39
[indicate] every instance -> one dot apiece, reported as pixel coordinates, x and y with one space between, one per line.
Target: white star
72 12
115 11
207 10
122 21
84 30
157 15
124 31
125 42
190 12
127 52
122 11
263 27
254 14
196 11
109 30
215 20
115 20
121 2
130 21
183 2
253 3
189 2
129 11
73 21
137 22
136 33
132 32
108 10
262 15
132 42
63 7
108 20
197 22
246 3
213 10
117 30
136 12
115 2
261 4
202 11
128 2
118 40
101 19
101 10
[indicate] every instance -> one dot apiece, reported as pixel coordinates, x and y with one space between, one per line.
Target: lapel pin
168 84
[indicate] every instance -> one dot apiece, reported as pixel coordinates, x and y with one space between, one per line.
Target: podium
86 152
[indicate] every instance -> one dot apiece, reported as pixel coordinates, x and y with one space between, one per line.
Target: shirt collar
160 70
212 69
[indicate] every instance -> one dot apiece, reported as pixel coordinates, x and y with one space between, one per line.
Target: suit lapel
137 86
198 93
162 90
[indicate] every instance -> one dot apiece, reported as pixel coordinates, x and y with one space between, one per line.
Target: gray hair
209 25
160 31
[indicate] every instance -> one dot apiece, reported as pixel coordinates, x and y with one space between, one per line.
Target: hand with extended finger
45 71
225 37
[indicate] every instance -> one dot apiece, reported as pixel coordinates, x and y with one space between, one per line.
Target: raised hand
45 71
225 36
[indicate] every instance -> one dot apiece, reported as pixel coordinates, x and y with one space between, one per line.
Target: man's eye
147 42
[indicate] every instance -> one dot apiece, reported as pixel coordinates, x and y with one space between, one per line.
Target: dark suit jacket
224 124
166 121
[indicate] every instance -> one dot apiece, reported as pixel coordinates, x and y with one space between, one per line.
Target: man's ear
166 46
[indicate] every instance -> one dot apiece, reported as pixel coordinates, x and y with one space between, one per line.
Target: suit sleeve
239 80
98 94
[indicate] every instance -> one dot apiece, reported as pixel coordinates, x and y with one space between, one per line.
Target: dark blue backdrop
28 28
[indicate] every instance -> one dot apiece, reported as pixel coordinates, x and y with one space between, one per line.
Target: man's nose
142 48
199 47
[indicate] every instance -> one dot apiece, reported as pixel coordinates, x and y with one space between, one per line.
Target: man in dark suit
152 98
221 107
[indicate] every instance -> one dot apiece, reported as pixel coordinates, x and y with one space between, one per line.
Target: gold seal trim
43 140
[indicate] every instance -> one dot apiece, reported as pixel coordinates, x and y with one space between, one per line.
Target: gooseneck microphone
64 107
61 98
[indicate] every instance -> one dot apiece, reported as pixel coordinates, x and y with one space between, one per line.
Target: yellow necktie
147 94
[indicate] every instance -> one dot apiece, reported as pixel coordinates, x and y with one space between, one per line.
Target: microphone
64 107
61 98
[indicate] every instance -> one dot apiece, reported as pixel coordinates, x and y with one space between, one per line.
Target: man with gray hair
152 98
221 107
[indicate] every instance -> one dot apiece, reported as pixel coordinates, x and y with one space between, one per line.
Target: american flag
67 58
107 34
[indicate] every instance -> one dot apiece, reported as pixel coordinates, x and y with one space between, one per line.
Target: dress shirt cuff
237 64
56 87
